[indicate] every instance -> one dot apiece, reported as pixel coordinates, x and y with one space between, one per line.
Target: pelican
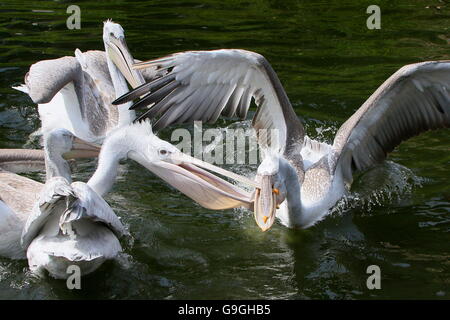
305 177
66 223
56 224
75 93
11 218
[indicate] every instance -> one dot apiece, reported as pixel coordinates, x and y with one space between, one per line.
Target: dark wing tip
124 98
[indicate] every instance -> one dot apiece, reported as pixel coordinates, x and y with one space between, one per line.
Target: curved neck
56 165
293 191
106 173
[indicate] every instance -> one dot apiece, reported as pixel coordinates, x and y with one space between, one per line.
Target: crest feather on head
113 27
143 127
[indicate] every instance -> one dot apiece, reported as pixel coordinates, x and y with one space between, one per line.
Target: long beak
208 190
118 52
184 158
265 204
82 149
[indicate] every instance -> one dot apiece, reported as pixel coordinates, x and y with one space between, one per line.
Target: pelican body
304 177
62 223
57 224
76 93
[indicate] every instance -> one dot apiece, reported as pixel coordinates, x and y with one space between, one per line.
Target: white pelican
310 176
70 223
75 93
11 224
57 224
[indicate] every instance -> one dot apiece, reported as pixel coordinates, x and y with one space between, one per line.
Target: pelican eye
163 152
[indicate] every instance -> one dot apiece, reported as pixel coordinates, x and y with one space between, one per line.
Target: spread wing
203 85
414 99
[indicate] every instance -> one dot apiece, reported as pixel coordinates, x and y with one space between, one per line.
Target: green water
397 217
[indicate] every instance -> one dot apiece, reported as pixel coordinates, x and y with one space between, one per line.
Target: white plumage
310 176
71 225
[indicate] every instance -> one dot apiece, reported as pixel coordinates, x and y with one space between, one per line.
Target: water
397 217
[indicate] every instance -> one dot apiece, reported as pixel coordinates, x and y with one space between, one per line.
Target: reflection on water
397 215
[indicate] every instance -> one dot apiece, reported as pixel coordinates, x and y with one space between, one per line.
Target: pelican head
58 141
117 50
272 192
61 145
183 172
62 142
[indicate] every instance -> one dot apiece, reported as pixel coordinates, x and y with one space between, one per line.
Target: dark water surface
397 217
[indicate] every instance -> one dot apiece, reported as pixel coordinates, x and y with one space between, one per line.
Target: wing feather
89 205
414 99
219 82
52 195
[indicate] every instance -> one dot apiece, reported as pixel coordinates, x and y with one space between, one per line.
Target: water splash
125 260
322 131
385 184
